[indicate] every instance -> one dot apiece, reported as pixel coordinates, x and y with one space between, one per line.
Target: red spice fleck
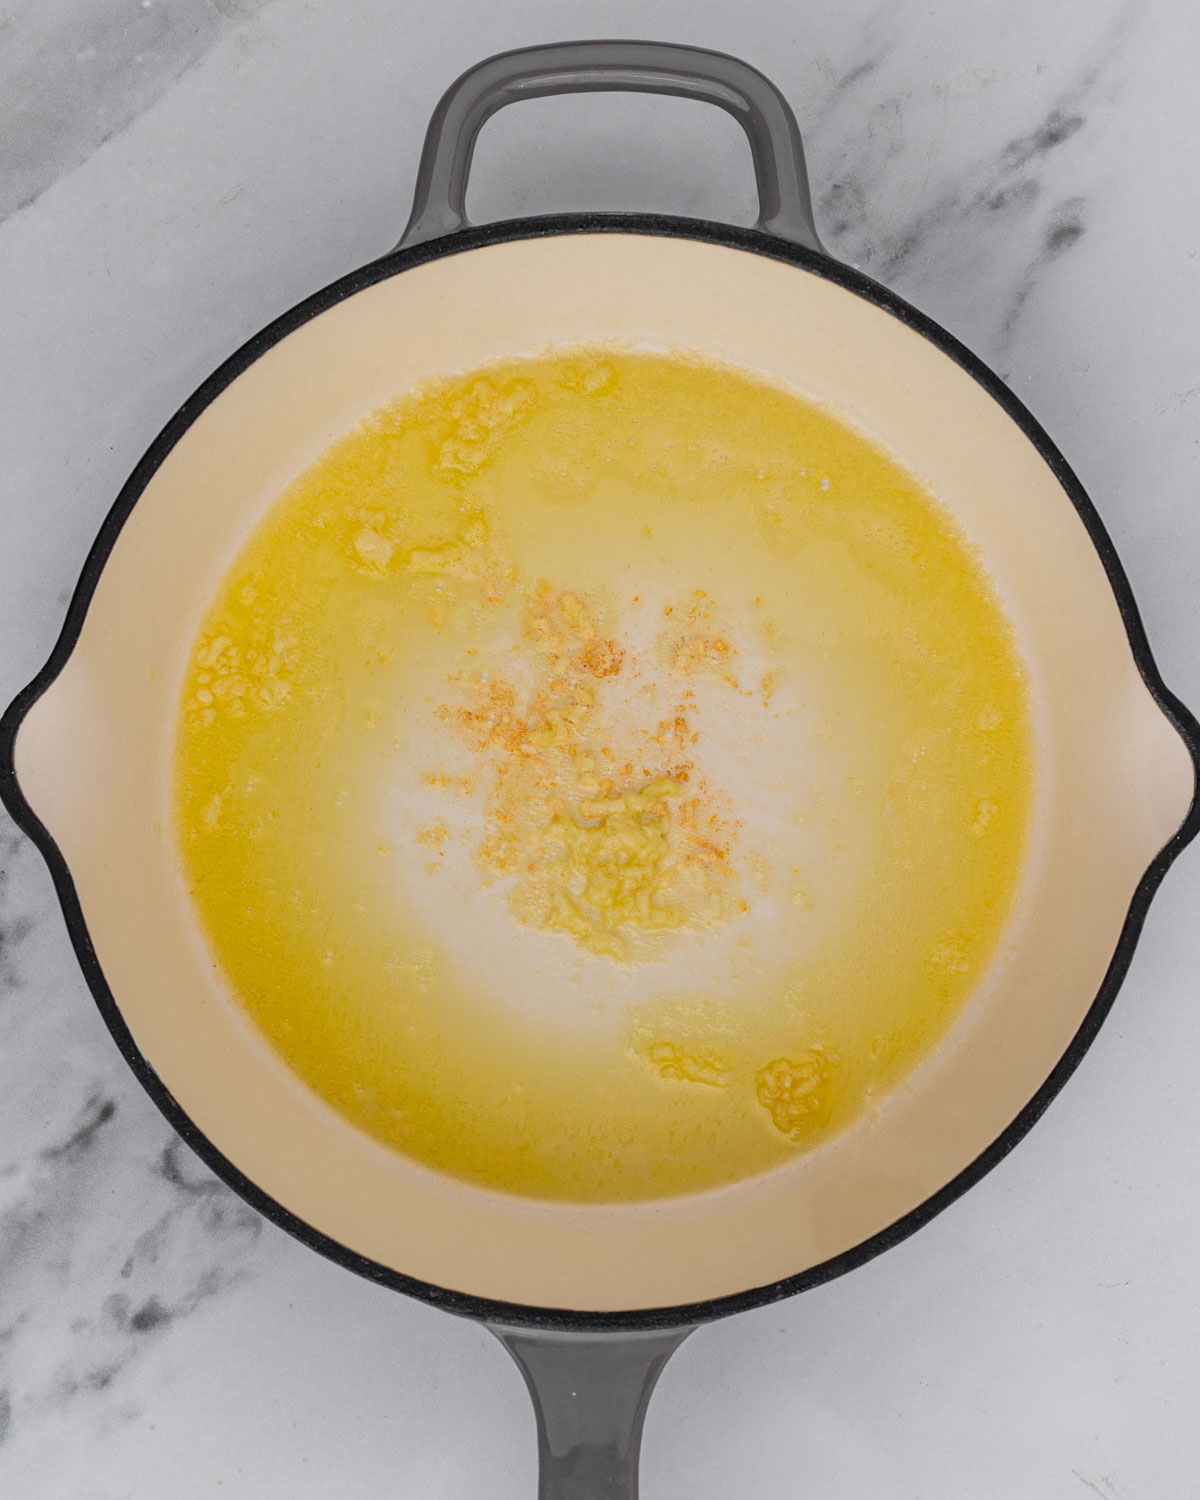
602 658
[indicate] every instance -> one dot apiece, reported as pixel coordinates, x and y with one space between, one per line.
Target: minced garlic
599 854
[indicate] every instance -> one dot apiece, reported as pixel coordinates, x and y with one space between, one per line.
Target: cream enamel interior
93 760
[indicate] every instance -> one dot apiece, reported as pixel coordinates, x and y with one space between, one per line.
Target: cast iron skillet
591 1374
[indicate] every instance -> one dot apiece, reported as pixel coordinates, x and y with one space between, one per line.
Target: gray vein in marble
13 928
1104 1487
78 73
1063 228
1056 128
97 1112
871 56
1000 186
1003 197
198 1243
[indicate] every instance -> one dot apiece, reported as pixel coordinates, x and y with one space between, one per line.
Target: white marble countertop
176 172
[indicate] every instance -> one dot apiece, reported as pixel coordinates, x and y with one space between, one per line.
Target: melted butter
604 776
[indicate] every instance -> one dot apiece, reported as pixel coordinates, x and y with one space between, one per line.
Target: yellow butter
604 776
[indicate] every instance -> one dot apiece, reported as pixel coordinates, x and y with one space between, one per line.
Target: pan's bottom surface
603 776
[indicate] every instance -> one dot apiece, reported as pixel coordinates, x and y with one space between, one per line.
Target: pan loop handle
784 201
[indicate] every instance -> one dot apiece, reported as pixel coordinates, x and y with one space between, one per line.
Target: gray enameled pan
592 1299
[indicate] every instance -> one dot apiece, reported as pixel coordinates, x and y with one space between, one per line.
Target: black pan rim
464 1303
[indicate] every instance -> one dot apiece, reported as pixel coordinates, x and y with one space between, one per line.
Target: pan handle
784 201
590 1392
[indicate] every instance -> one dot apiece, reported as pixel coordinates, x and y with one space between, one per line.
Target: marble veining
75 74
193 1238
80 1296
14 926
1006 194
175 172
